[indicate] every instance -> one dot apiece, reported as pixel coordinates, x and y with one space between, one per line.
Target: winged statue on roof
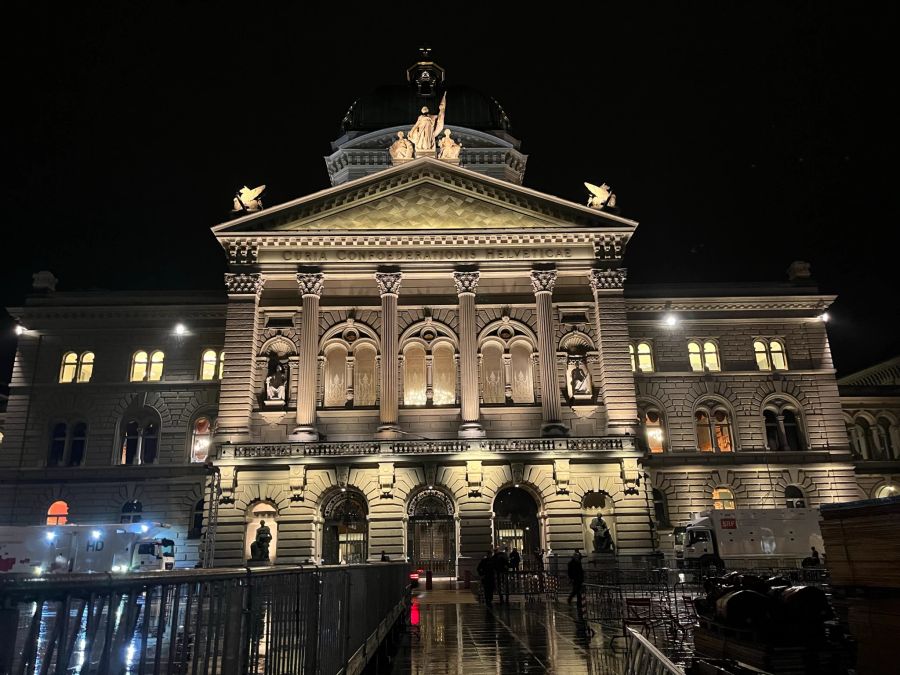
601 196
247 200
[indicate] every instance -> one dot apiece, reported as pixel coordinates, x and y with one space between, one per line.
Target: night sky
741 136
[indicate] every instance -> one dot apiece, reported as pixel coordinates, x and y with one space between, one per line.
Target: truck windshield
698 535
679 536
145 549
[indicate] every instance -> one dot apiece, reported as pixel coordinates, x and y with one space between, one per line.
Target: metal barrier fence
262 621
645 659
529 584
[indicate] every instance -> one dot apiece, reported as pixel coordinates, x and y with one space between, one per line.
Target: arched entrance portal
598 523
346 529
432 532
516 523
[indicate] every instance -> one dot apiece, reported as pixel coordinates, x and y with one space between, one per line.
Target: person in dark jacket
485 570
576 575
501 565
514 560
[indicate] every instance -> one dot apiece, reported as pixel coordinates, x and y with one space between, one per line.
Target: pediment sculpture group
422 139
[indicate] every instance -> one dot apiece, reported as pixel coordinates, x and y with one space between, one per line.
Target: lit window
201 439
887 491
58 513
631 356
695 354
156 366
760 349
521 367
492 380
653 430
335 376
723 498
414 374
69 367
769 354
131 512
444 368
208 365
364 376
711 356
779 360
793 497
85 367
644 357
712 423
139 366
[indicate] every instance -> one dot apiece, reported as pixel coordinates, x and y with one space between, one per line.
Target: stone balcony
611 445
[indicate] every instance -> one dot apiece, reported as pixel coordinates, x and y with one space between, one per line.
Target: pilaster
542 282
466 285
389 289
311 285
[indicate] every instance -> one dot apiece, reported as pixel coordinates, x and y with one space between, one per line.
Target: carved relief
388 282
466 282
542 281
311 283
244 283
603 280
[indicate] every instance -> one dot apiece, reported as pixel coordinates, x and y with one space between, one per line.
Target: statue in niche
579 381
401 148
427 127
259 549
449 149
276 379
603 542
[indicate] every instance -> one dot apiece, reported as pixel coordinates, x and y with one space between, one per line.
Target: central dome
390 105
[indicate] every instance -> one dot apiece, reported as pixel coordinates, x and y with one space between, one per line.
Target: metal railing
428 447
645 659
261 621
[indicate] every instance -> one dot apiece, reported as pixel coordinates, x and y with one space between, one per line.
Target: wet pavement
450 632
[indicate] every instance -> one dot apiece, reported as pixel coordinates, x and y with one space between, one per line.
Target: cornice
725 303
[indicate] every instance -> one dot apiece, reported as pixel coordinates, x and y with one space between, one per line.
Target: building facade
424 361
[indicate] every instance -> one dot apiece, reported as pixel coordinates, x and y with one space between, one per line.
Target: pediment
425 194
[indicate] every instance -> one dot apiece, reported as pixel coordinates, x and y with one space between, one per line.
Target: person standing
485 570
514 560
501 565
576 576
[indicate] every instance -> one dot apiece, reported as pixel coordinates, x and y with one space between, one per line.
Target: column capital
388 282
542 281
466 282
608 279
244 284
311 283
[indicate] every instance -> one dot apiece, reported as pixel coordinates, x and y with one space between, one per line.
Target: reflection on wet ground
449 632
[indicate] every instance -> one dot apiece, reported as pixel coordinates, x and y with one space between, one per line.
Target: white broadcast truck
779 537
64 549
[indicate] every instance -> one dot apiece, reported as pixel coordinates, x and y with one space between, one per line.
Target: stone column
311 285
466 283
611 325
238 388
542 281
389 288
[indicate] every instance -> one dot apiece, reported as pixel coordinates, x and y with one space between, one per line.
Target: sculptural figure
579 380
247 200
401 148
449 149
600 197
276 379
259 549
427 127
602 536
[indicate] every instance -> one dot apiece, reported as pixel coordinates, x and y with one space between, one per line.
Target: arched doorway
346 529
598 523
262 514
431 532
516 524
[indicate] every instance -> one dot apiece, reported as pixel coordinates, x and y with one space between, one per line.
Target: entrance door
431 533
346 530
516 523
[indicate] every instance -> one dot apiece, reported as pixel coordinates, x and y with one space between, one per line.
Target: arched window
695 355
723 498
335 376
140 438
782 427
69 367
364 376
131 512
711 356
660 508
201 438
58 439
887 491
444 374
773 433
492 380
154 374
769 354
521 367
221 365
85 367
654 429
414 374
713 426
704 356
77 444
139 366
793 497
862 431
886 443
210 365
58 513
644 357
196 529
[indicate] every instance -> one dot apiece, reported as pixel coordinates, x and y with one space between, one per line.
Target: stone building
426 359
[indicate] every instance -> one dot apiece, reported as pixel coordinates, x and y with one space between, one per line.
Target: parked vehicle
62 549
716 536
